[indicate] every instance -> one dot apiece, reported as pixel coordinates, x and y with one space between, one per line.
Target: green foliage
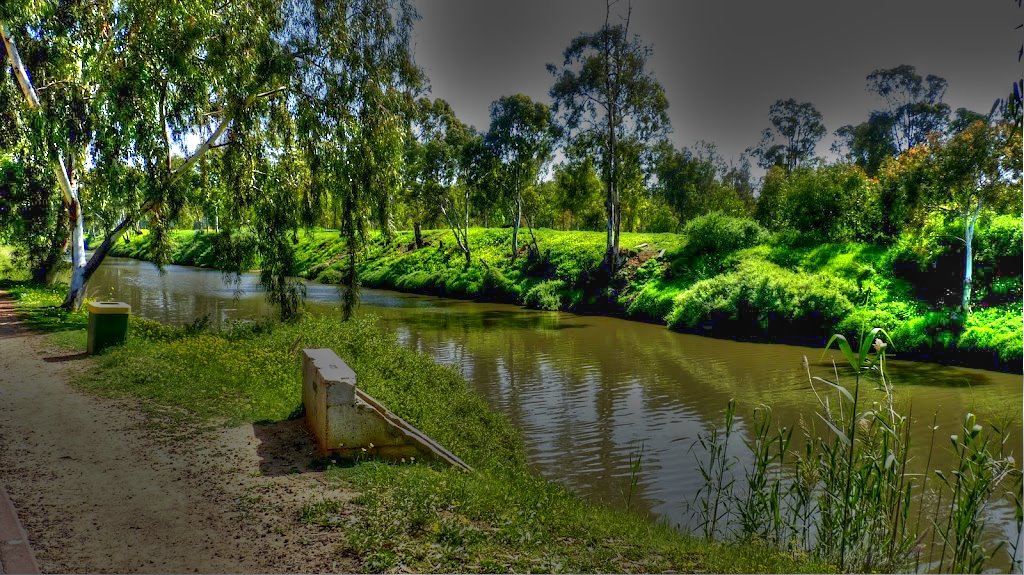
932 259
717 234
609 106
723 276
996 329
762 298
831 203
795 132
545 295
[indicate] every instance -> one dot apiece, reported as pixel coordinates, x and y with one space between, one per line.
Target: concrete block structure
348 422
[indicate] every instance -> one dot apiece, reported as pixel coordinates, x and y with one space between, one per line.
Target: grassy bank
416 516
723 277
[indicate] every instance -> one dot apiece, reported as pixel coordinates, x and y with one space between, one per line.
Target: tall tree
343 119
578 192
449 147
119 86
32 217
867 144
797 128
914 106
976 168
605 99
684 179
520 139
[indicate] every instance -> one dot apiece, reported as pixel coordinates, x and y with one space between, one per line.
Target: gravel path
102 487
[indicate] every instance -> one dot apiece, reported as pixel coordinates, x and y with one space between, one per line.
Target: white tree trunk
971 224
68 189
76 290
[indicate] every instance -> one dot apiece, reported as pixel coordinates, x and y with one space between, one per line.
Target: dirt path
99 488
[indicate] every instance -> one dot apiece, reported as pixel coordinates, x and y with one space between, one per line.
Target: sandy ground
100 487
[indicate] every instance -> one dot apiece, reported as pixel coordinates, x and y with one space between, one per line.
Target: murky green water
587 391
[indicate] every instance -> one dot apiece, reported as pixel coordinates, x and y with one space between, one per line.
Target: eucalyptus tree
446 145
350 76
520 139
605 98
578 192
113 89
867 144
976 168
797 128
914 106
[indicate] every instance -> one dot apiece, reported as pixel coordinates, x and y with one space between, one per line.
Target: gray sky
723 63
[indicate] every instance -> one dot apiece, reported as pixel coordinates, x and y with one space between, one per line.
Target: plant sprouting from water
845 495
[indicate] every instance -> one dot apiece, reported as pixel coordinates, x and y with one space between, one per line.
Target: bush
496 286
717 233
928 332
329 277
888 315
997 329
761 297
545 295
932 259
830 203
653 301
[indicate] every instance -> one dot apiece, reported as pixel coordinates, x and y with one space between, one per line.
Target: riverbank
109 485
414 517
724 277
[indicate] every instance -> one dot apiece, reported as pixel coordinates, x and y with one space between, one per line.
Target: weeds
846 496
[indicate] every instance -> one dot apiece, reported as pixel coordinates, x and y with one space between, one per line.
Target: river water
588 391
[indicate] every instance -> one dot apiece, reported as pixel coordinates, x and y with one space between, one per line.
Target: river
588 391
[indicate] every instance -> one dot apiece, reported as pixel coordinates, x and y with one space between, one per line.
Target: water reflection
587 392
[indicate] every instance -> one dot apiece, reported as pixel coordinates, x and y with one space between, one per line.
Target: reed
846 496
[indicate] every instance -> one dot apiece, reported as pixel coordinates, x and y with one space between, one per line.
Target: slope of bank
723 277
409 517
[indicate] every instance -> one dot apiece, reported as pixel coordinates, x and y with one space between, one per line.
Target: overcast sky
723 63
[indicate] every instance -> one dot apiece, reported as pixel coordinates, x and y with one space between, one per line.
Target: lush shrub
997 329
932 259
709 240
545 295
761 297
925 333
717 233
829 203
654 300
888 315
495 285
329 277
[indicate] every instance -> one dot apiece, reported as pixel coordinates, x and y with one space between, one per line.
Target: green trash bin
108 324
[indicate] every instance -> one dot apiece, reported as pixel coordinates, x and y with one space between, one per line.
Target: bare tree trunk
417 234
465 230
516 222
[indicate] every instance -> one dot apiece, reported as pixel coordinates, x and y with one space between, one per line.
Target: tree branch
59 169
211 142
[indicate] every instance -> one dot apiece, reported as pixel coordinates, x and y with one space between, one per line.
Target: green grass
417 516
724 276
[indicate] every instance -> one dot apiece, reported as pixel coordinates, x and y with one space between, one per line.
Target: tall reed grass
845 496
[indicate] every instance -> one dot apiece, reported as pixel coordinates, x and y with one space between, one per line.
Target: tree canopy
606 101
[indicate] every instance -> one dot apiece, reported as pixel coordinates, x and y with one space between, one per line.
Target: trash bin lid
109 307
